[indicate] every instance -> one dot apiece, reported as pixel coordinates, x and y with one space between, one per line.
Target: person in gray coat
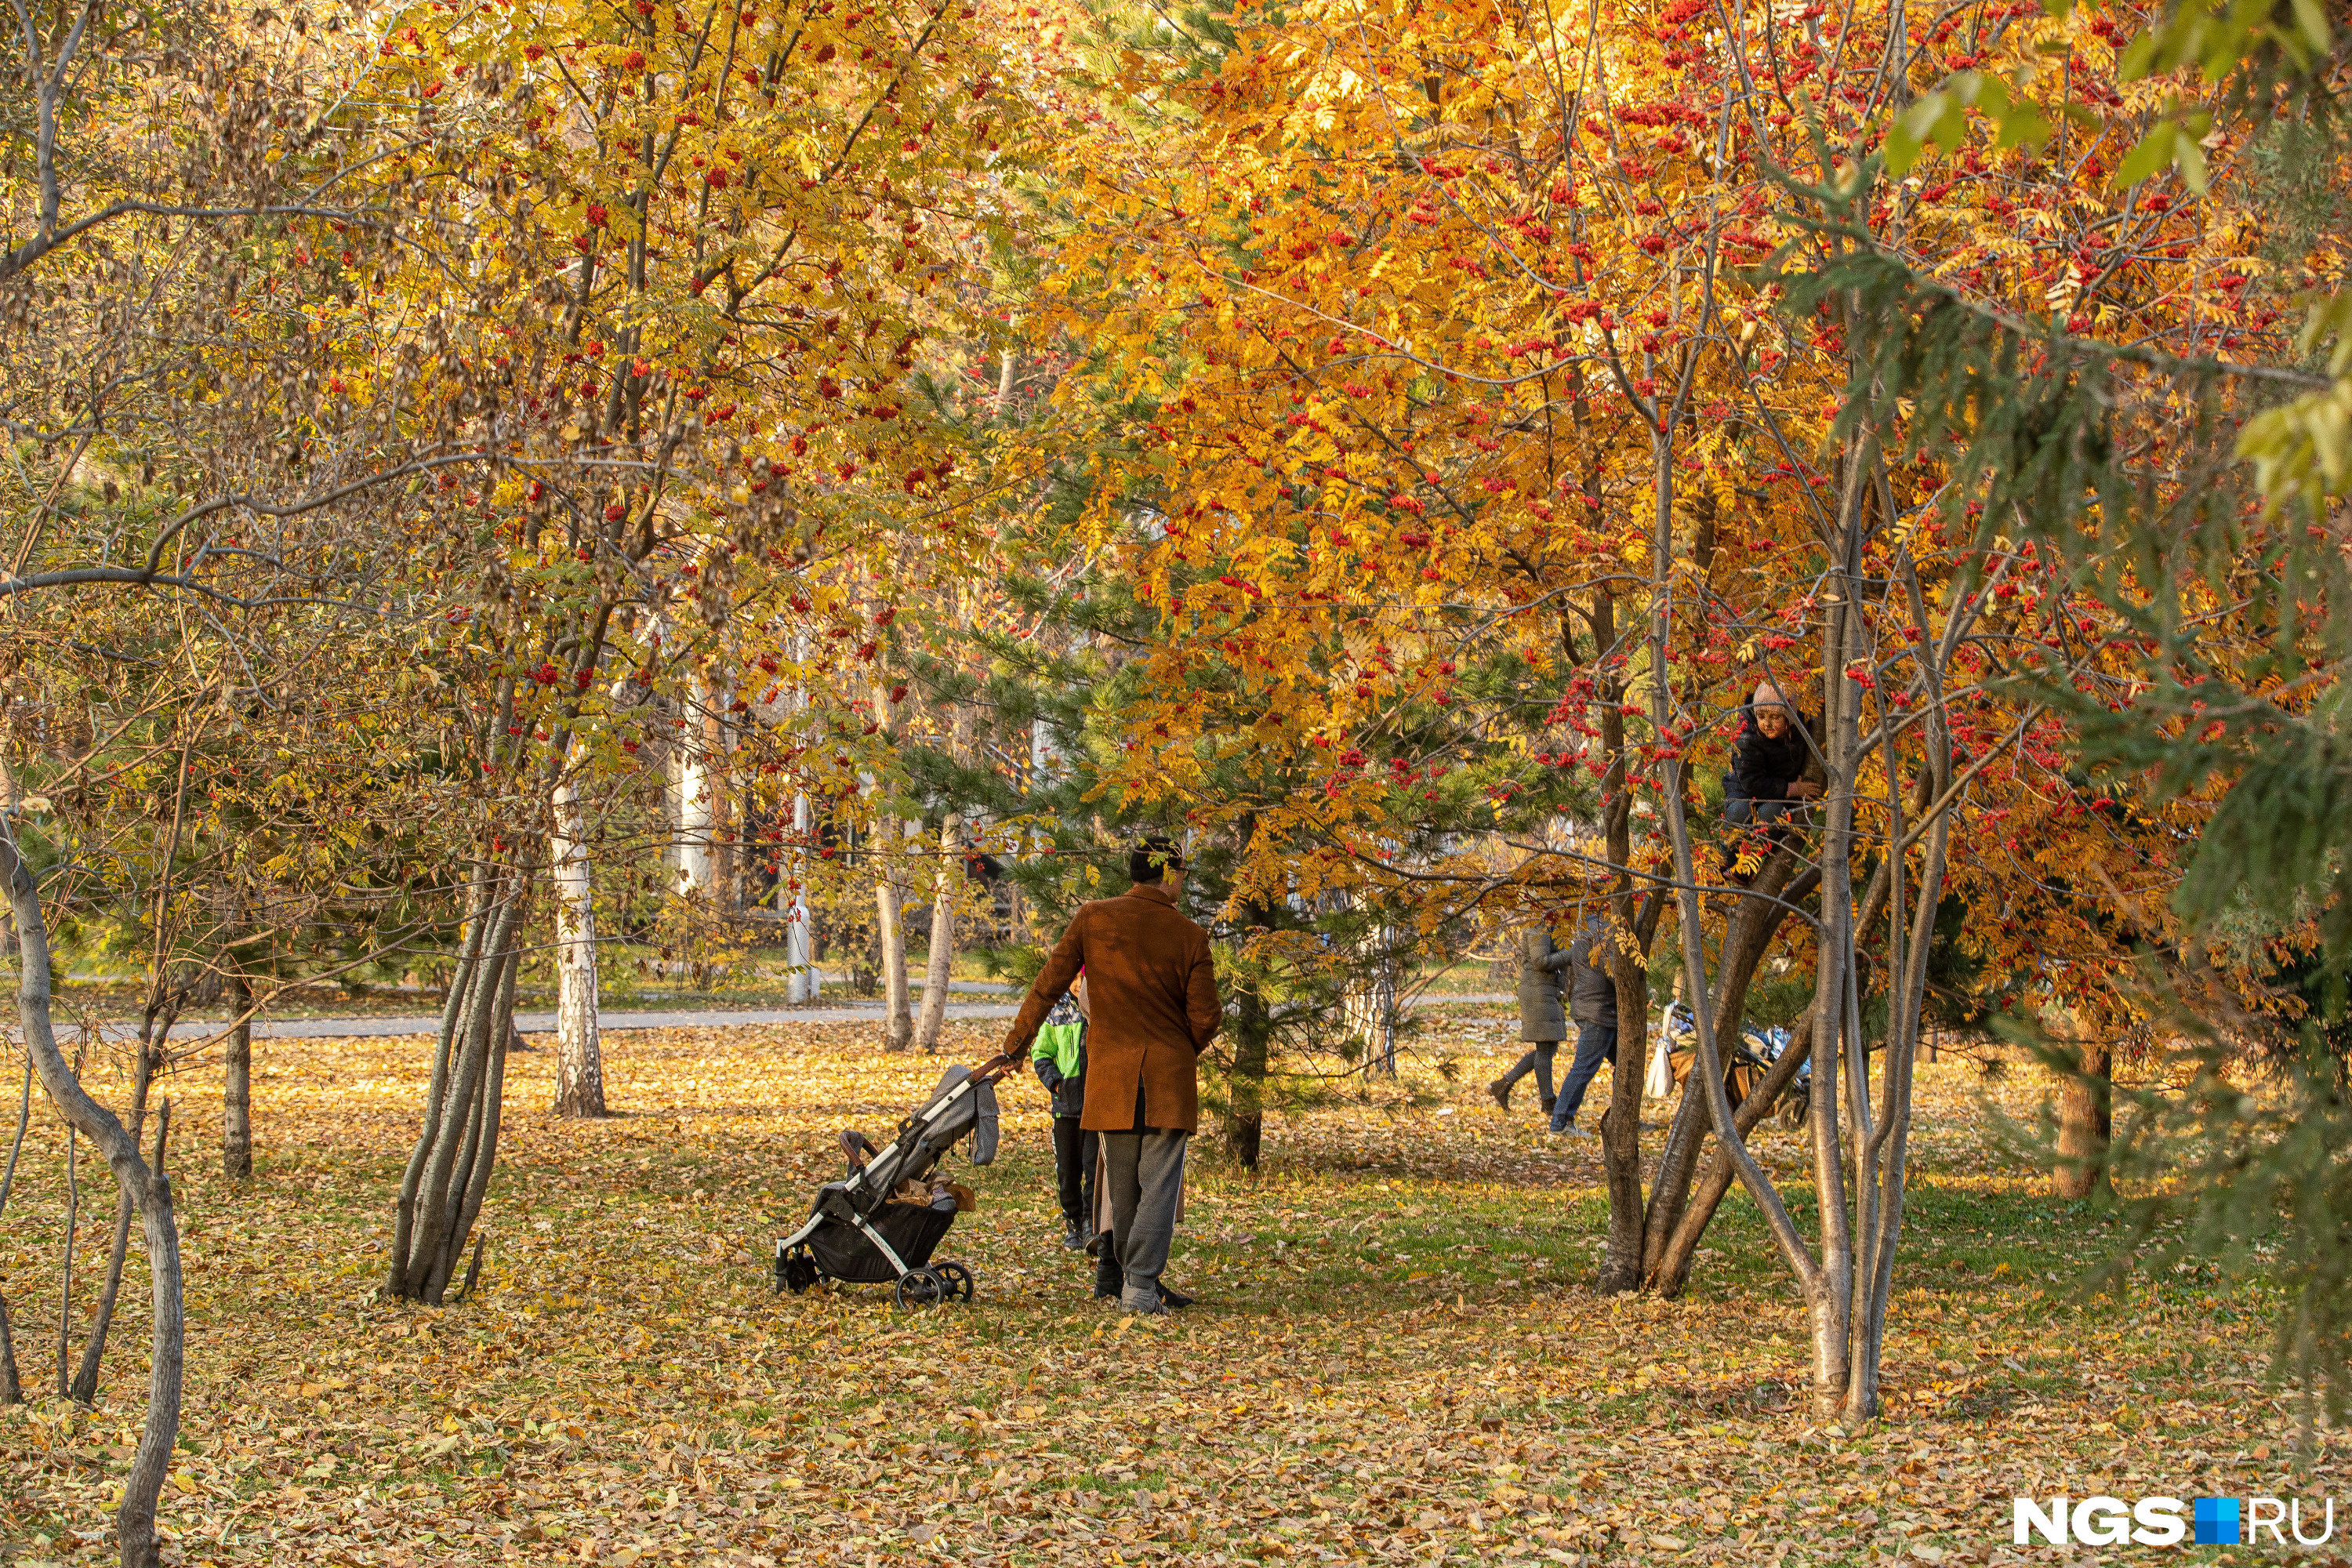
1593 1004
1543 1021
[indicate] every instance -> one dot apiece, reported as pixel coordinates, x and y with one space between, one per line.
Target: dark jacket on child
1763 767
1060 1057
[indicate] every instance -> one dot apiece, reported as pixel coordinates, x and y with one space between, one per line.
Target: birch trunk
800 940
579 1046
897 1017
694 803
941 957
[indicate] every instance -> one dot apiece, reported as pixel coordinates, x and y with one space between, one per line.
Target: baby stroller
1758 1049
864 1229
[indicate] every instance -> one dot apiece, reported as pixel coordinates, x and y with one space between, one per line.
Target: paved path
851 1012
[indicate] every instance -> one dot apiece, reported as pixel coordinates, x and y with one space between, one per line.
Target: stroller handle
995 1068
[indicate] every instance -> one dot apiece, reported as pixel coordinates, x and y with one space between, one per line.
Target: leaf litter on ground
1397 1355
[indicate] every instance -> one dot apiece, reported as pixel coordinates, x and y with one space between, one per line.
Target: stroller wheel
958 1279
1795 1111
795 1272
921 1287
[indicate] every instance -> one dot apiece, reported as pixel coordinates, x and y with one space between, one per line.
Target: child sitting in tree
1767 783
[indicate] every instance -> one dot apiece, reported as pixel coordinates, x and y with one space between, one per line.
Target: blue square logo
2217 1521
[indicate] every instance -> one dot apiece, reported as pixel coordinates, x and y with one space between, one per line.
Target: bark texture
791 903
941 963
12 1390
578 1043
456 1147
236 1090
2085 1123
151 1191
890 931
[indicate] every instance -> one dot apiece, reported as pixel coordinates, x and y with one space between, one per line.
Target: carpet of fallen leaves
1397 1355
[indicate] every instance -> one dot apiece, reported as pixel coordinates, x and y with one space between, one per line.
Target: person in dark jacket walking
1592 1003
1060 1058
1767 783
1543 1023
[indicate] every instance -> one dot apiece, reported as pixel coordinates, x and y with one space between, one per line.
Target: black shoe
1075 1235
1547 1103
1501 1092
1174 1300
1110 1281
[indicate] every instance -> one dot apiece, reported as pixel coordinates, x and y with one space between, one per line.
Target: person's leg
1595 1043
1087 1150
1501 1088
1145 1231
1122 1167
1070 1171
1543 1053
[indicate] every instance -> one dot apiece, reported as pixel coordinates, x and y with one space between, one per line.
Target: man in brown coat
1154 992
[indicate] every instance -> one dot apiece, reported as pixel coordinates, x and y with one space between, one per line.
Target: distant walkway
834 1012
544 1023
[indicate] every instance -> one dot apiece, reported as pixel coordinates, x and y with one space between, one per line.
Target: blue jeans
1739 808
1595 1043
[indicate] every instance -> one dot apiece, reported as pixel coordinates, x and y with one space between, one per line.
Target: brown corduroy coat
1152 991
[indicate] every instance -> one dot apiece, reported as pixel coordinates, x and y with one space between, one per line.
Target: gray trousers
1147 1178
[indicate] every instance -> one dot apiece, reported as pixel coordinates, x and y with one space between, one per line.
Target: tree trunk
1252 1037
1371 1002
84 1389
941 957
2085 1122
1714 1181
579 1045
694 804
1245 1109
726 854
456 1147
12 1391
1780 884
1621 1123
236 1090
791 900
151 1190
898 1021
65 1277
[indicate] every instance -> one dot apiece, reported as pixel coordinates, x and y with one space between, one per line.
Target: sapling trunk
12 1391
236 1092
151 1190
84 1389
65 1277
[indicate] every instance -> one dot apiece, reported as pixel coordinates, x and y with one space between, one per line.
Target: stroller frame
845 1237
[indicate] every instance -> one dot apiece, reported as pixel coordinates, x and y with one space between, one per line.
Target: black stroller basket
857 1235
